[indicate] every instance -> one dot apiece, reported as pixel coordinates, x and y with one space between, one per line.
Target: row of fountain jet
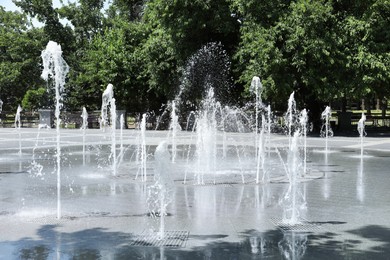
208 123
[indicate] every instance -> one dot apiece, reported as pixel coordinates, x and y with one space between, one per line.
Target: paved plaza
106 216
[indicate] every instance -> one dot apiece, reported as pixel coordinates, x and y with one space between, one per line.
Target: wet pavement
346 214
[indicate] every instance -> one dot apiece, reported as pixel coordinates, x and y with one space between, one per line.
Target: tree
20 49
35 99
44 11
294 53
192 24
374 55
116 57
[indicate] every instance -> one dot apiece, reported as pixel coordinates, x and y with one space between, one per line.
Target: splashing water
206 131
362 132
261 154
18 126
256 88
303 120
160 193
121 148
55 67
174 127
107 97
141 150
326 130
113 136
293 246
290 116
84 126
269 124
294 201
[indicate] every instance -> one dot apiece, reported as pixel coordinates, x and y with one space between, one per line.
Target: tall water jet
107 97
303 120
326 130
113 136
269 124
141 150
121 148
174 127
160 194
1 107
18 126
261 154
294 201
106 119
290 116
256 88
362 132
206 131
84 126
55 68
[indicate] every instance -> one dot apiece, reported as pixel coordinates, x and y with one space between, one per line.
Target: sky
10 6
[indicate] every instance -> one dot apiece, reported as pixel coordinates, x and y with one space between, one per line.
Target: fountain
18 126
269 125
84 126
290 116
121 147
109 119
141 150
326 129
362 132
174 127
160 193
113 136
107 96
55 68
303 120
261 154
256 88
235 188
293 201
206 144
1 108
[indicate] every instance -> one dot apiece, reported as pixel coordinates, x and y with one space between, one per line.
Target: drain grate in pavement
208 184
302 226
171 239
223 184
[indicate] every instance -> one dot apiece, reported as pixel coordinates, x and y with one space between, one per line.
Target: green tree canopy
20 49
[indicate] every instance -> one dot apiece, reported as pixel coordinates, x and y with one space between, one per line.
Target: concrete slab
347 213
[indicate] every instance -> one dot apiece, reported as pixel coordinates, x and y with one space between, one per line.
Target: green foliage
20 50
191 24
115 57
324 50
35 99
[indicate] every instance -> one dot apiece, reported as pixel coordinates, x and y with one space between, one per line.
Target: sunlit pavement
347 213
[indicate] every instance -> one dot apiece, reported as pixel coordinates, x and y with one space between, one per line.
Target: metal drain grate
303 226
210 184
171 239
223 184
